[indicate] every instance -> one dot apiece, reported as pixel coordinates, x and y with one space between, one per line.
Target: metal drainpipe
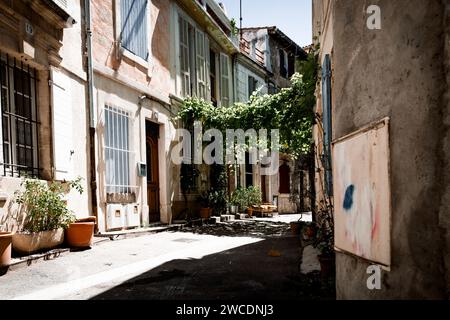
90 98
90 75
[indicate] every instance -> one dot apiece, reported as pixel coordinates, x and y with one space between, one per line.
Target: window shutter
62 126
208 69
200 49
224 80
184 58
327 125
133 15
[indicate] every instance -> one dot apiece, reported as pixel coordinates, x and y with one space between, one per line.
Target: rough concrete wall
445 147
396 72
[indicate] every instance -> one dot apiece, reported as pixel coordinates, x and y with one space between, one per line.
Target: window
272 88
212 77
327 124
252 86
194 60
133 23
285 179
19 126
284 61
117 151
248 171
224 80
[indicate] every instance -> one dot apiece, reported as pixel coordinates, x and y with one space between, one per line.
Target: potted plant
80 233
254 198
325 244
239 199
5 248
205 202
297 227
47 215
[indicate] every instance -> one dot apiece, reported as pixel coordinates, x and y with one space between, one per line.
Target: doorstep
133 233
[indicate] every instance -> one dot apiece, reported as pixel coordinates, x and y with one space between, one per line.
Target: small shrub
45 206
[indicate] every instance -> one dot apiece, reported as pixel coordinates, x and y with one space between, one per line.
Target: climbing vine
291 111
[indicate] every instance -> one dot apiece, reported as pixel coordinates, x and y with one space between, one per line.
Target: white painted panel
62 125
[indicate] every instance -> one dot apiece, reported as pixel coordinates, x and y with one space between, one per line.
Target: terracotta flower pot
80 234
5 248
28 243
205 213
250 211
327 265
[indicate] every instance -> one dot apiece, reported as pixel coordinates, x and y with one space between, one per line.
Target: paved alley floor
258 259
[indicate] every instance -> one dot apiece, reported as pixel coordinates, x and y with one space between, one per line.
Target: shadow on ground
251 272
244 228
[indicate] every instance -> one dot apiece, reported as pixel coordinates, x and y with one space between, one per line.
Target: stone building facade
396 70
43 99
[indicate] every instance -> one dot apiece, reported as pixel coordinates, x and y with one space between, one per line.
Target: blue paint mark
348 199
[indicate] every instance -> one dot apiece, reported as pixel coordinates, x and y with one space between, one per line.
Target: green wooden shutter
327 124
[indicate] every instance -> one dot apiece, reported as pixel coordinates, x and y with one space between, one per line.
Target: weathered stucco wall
156 73
398 72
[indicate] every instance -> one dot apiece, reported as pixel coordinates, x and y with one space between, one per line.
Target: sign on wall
362 193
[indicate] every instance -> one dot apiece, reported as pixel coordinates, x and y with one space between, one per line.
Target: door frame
156 136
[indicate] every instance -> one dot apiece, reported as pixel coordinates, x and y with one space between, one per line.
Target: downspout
90 98
90 75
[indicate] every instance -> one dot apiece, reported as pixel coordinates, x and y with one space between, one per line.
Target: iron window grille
19 126
118 154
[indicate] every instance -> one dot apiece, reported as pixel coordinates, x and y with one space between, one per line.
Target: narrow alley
222 261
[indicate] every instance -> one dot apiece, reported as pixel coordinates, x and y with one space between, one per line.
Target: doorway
152 136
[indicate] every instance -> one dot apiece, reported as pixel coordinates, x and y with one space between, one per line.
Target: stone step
227 218
214 220
241 216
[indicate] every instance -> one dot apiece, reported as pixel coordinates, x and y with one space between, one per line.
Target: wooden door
152 131
264 189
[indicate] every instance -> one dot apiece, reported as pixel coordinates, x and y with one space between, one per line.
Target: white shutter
62 126
224 80
185 88
200 45
208 71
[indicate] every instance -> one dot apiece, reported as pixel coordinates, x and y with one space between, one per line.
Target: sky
292 17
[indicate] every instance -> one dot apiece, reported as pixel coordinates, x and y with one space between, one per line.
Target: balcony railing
254 53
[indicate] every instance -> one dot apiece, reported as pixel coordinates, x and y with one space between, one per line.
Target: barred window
118 152
19 126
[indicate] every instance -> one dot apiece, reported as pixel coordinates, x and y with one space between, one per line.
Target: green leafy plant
234 28
44 204
239 198
325 232
245 198
254 196
291 111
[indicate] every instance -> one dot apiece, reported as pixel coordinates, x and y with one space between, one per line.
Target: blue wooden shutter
327 125
134 38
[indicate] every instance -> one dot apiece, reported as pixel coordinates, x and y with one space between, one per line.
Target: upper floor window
194 51
284 63
202 72
19 126
133 27
252 85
